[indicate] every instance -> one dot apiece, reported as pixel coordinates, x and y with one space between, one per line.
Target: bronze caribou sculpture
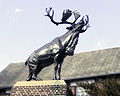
55 51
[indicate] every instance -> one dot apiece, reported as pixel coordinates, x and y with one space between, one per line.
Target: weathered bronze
55 51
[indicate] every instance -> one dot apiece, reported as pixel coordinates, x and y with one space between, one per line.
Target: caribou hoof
28 79
59 79
37 79
54 78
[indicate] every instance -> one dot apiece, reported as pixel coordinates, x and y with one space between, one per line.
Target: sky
24 28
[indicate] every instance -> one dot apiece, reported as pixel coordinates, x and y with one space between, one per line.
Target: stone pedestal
39 88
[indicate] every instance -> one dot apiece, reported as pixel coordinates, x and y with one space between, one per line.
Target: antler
66 14
76 15
87 20
86 23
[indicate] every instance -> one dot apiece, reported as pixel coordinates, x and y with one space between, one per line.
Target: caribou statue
62 46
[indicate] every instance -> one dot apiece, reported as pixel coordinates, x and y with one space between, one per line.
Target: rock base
39 88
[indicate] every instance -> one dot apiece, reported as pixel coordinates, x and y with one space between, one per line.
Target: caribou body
55 51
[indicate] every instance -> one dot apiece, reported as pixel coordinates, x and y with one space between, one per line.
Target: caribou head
80 26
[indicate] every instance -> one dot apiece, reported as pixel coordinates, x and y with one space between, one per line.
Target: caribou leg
31 69
59 71
55 67
38 69
29 77
55 71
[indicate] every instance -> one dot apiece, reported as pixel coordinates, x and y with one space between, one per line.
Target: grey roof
86 64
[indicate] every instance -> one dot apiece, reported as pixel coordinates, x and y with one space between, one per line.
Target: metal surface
55 51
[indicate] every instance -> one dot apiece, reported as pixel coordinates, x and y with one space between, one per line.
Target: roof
80 65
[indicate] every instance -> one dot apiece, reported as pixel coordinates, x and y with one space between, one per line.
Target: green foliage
106 87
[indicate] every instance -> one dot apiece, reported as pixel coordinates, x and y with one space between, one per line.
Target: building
82 67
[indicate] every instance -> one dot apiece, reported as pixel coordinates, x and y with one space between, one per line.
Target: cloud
18 10
99 44
15 16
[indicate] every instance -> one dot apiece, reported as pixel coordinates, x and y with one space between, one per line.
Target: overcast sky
24 28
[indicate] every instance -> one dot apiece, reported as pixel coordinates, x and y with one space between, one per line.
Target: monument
52 53
55 51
